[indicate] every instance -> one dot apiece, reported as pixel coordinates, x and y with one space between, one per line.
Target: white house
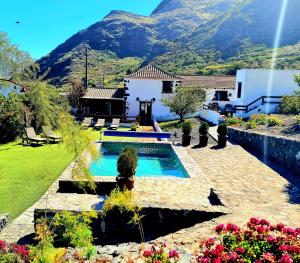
257 91
144 91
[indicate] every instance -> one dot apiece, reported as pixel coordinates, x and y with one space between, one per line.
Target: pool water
154 160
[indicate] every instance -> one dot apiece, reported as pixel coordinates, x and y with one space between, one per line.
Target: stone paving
246 186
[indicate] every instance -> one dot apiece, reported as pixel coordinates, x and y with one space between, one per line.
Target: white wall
146 89
262 82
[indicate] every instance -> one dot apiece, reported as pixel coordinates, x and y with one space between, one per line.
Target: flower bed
259 242
13 253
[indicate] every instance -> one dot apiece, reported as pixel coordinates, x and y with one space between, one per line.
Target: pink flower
232 228
268 257
173 254
271 239
285 259
217 260
3 246
21 250
147 253
254 221
264 222
240 250
209 242
260 229
164 244
289 231
203 260
233 257
220 228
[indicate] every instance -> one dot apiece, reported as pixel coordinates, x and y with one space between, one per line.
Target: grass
173 125
96 136
26 173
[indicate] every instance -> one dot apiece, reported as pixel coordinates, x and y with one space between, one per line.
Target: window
167 87
221 96
239 93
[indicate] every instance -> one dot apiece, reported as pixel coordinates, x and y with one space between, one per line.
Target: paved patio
246 186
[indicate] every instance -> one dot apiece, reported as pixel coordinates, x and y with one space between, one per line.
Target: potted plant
186 133
134 126
127 164
203 131
222 132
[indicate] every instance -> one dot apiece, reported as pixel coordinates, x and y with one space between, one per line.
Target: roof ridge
152 71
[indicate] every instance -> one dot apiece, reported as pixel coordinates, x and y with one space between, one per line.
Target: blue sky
44 24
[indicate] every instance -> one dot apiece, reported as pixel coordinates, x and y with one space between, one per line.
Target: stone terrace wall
282 150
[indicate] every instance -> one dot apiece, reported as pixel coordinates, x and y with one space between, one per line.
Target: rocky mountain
189 34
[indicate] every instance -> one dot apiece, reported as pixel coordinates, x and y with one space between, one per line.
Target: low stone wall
282 150
3 221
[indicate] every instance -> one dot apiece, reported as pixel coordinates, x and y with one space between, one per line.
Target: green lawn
96 136
27 172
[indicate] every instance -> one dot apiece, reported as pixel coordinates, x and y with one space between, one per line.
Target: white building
256 91
144 91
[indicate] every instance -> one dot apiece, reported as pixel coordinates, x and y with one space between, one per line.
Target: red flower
285 259
232 228
233 257
220 228
209 242
271 239
240 250
264 222
289 231
173 254
260 229
203 260
147 253
254 221
280 227
3 246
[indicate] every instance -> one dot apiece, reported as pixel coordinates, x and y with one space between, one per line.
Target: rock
3 221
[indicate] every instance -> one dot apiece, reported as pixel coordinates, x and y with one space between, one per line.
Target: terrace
219 190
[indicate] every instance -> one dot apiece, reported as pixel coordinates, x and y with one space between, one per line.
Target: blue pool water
154 160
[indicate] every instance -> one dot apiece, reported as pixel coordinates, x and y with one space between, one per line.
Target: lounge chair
115 124
50 135
87 122
32 137
99 124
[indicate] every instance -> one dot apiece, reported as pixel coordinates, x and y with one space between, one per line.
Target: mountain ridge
191 29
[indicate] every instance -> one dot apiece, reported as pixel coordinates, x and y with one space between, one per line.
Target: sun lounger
50 135
100 124
115 124
32 137
87 122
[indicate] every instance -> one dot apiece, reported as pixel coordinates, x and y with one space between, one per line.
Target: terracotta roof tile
104 93
152 72
209 82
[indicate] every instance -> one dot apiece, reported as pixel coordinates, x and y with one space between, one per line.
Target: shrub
259 119
204 128
12 253
160 253
187 127
233 121
127 162
222 129
273 120
258 242
11 117
134 126
289 105
250 125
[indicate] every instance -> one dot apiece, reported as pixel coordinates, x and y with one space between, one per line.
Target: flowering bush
13 253
233 121
260 242
160 254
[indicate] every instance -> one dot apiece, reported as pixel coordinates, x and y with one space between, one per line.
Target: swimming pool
154 160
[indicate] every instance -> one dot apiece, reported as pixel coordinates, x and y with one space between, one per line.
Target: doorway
145 112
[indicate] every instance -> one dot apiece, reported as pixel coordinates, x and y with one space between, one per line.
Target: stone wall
284 151
3 221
